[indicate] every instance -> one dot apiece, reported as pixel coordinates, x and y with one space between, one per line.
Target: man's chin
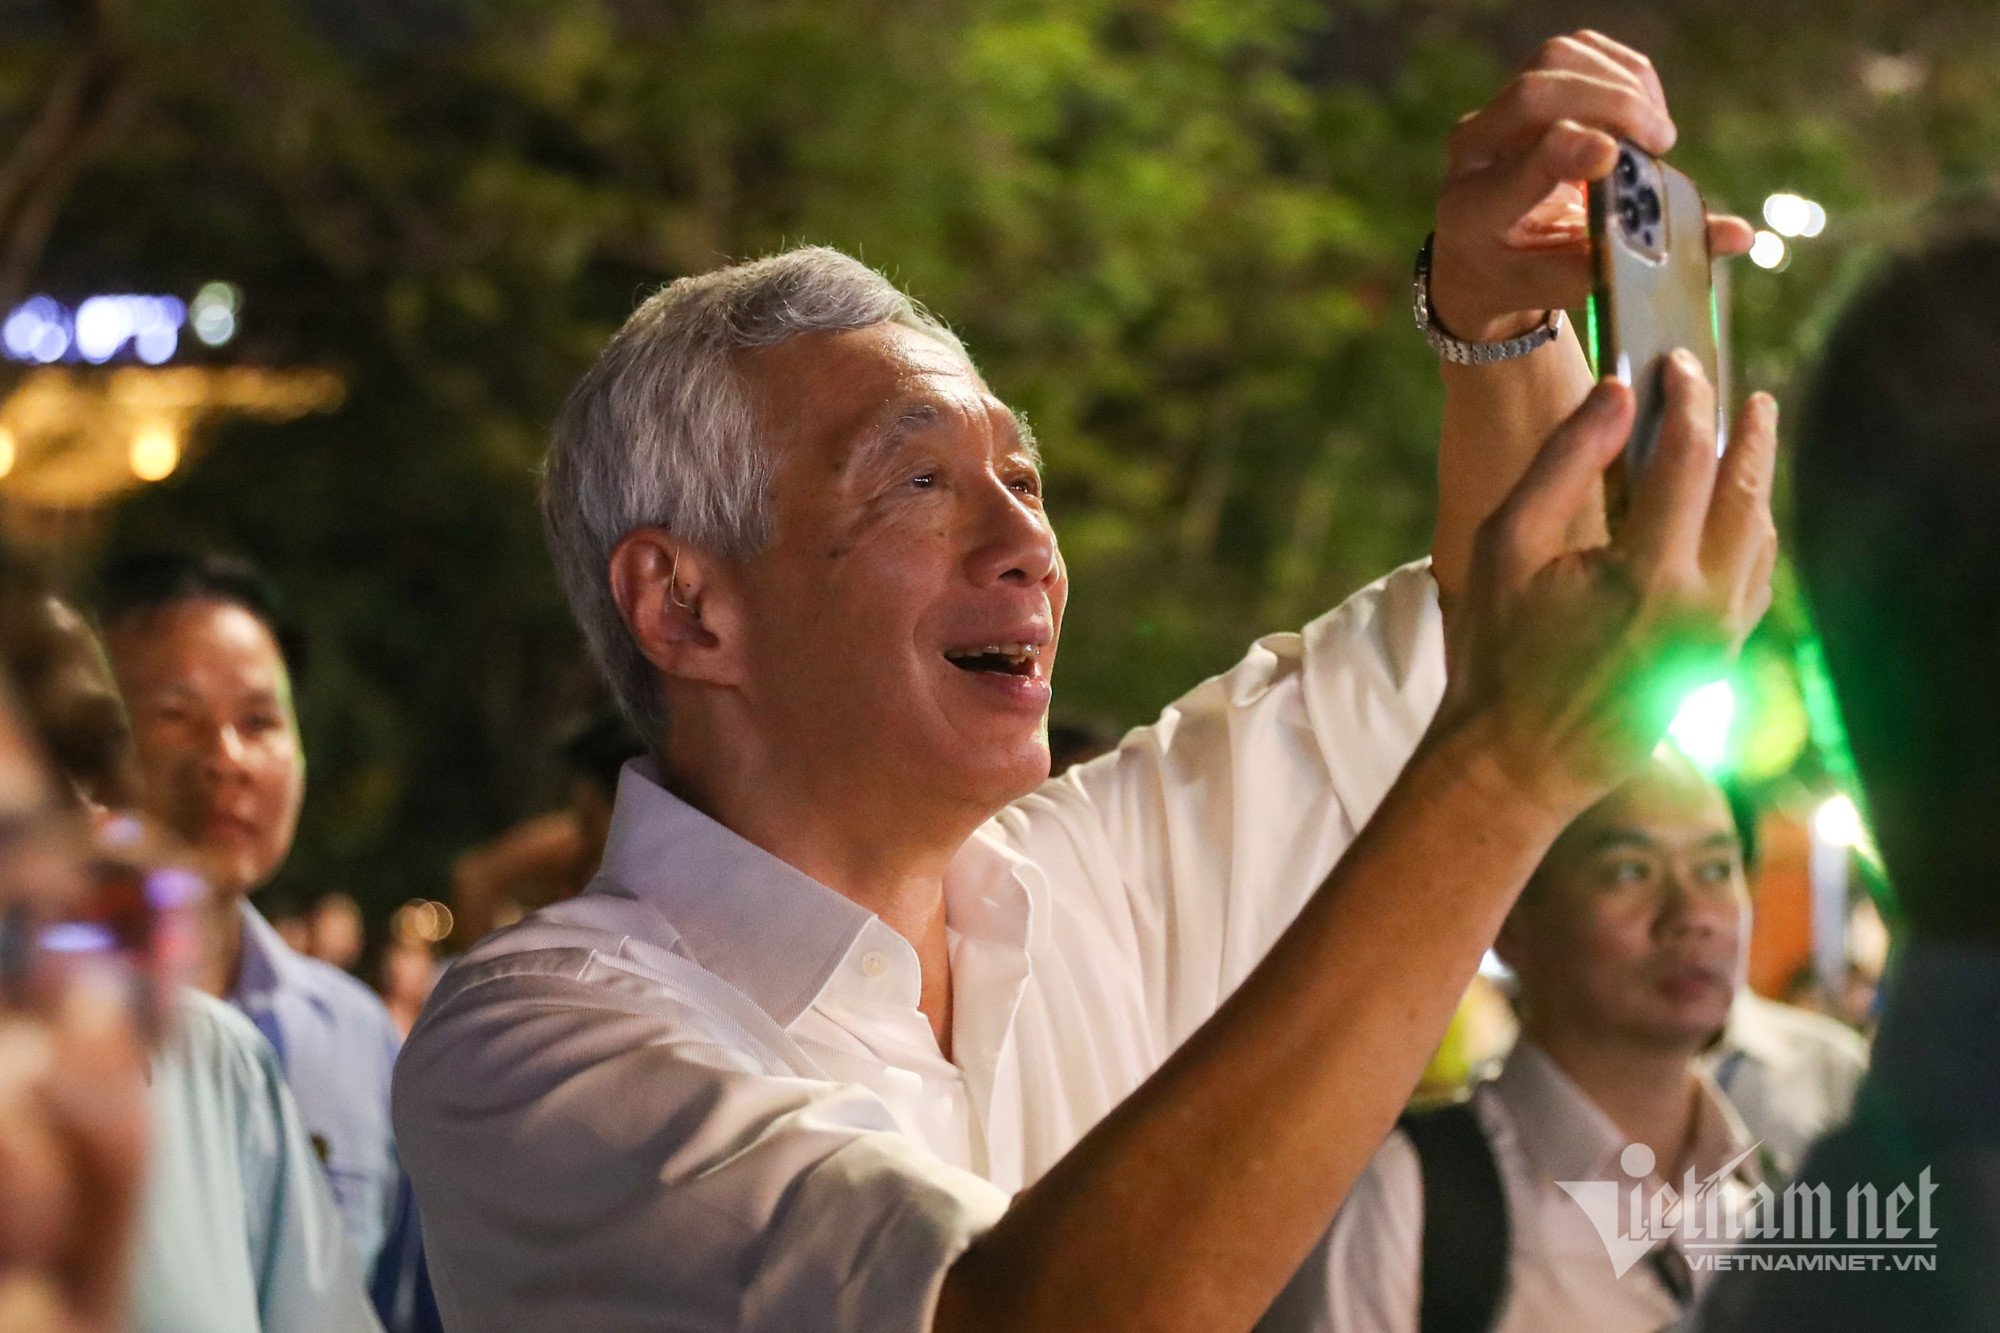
1001 774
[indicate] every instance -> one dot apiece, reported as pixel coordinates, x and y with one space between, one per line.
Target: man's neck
1649 1092
890 861
221 945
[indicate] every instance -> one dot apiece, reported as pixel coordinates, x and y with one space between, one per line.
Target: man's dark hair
64 685
1897 485
150 581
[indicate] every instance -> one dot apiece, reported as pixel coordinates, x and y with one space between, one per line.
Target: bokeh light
156 452
1701 728
1838 821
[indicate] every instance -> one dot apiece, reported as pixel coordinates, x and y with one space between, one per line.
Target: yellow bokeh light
7 451
156 452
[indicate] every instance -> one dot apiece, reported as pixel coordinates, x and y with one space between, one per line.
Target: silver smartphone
1651 292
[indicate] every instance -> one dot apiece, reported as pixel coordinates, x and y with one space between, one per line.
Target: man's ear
680 605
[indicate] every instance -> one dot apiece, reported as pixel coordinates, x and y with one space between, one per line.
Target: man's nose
1691 908
223 751
1014 542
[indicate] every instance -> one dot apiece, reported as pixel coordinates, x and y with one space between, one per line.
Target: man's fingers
1573 53
1634 61
1756 598
1729 234
1669 511
1533 524
1739 516
1503 193
1537 99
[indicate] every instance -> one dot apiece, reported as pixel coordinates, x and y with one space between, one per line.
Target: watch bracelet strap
1457 350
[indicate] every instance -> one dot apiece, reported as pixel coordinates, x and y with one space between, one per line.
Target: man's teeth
994 650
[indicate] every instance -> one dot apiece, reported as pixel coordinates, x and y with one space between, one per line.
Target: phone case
1651 292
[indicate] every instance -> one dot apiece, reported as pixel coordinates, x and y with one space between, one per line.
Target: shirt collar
775 933
771 931
1751 1031
268 964
1567 1137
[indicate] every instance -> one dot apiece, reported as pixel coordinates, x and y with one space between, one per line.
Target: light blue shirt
240 1234
337 1047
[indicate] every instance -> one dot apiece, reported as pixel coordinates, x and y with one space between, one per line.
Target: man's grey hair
662 432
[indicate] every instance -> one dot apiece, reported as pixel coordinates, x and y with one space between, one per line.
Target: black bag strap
1465 1251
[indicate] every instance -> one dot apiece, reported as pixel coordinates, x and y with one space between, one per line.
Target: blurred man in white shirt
1627 944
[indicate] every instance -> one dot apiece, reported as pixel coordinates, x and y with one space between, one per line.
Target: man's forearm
1196 1199
1495 418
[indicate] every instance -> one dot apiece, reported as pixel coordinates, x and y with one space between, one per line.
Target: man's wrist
1514 790
1464 319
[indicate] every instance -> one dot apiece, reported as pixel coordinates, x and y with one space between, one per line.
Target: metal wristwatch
1457 350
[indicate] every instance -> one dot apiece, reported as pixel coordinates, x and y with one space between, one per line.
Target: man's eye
1715 872
924 481
1028 485
1626 872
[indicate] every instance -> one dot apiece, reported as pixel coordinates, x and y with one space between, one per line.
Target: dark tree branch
88 99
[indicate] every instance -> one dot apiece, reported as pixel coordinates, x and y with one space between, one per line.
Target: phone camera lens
1628 169
1628 213
1649 205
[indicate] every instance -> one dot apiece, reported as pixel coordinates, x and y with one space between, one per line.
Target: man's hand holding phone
1512 237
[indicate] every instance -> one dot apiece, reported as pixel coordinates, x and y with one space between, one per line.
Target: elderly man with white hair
866 1025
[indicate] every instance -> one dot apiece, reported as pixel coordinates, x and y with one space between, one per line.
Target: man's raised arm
1194 1201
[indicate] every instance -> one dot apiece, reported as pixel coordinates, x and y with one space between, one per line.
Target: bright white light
8 451
1786 213
103 323
213 324
1794 215
1767 251
22 331
1700 728
225 294
156 452
1838 822
213 314
102 327
156 345
51 341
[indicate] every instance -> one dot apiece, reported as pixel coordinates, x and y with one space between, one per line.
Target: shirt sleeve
1201 836
1363 1275
656 1172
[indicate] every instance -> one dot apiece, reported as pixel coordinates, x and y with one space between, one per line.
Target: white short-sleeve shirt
1366 1274
701 1095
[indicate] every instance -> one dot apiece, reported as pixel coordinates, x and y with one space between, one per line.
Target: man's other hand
1568 663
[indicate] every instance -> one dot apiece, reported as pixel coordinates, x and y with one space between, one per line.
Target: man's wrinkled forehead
856 390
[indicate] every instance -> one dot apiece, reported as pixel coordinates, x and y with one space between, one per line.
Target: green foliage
1175 232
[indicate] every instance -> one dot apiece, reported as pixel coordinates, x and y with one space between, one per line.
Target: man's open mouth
1003 659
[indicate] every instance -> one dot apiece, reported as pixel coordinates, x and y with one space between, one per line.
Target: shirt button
873 965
